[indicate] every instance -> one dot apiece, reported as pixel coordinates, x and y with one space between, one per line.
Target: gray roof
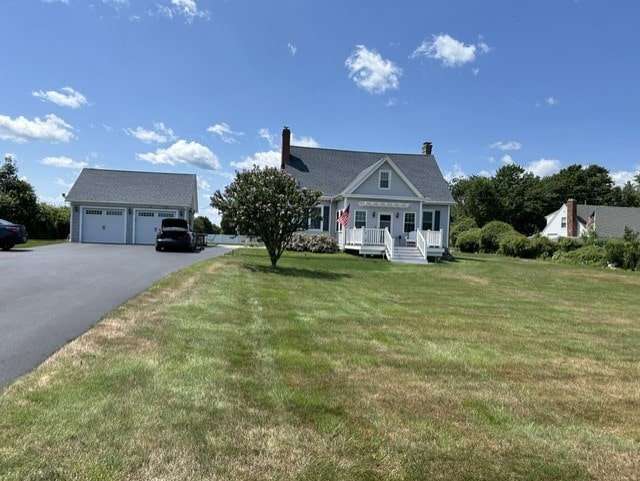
135 188
610 221
331 171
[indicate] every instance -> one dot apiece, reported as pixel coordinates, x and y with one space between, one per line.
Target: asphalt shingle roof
331 171
130 187
610 221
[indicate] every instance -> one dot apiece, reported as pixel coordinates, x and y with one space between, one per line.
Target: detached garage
124 207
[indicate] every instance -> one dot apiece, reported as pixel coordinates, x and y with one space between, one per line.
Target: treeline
522 200
19 204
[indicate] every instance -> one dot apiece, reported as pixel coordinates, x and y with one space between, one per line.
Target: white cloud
544 167
304 141
507 160
371 72
183 152
63 162
66 2
22 129
160 135
225 133
457 173
271 158
293 49
66 97
551 101
620 178
265 134
450 51
203 183
506 146
187 8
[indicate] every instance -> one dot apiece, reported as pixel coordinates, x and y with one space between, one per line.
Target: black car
12 234
175 234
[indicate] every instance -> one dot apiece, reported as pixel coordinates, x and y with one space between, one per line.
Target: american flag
344 217
592 219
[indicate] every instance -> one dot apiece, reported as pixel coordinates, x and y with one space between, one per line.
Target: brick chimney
286 146
572 218
426 148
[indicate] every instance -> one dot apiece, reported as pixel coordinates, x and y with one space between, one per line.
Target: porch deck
379 242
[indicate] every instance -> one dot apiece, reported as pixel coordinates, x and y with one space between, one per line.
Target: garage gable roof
135 188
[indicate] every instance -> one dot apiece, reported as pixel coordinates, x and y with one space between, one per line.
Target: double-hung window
361 219
409 221
427 220
315 221
384 180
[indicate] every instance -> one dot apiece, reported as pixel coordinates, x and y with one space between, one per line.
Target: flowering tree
268 203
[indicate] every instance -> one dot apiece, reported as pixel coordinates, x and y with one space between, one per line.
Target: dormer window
384 180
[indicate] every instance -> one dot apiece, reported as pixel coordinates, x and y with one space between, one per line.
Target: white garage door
147 224
103 225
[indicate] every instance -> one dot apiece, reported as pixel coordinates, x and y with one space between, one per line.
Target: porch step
409 255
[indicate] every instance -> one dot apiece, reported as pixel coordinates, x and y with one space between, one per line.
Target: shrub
459 226
544 246
615 252
313 243
591 255
491 234
515 244
469 241
568 244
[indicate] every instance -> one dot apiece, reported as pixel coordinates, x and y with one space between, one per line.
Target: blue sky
205 86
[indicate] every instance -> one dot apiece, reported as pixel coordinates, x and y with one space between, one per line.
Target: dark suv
175 234
12 234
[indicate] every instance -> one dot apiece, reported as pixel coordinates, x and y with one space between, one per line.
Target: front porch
415 247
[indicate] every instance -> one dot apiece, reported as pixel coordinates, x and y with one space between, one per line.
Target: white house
573 219
399 204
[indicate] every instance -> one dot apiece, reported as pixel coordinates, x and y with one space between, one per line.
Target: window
427 220
563 222
361 219
114 212
409 221
384 180
93 212
315 221
145 214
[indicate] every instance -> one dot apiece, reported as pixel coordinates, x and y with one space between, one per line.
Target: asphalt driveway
52 294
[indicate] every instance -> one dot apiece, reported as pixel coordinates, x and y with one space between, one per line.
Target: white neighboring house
399 204
127 207
573 219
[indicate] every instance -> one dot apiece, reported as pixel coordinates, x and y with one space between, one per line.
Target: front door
384 222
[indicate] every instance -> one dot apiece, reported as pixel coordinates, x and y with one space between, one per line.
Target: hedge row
501 238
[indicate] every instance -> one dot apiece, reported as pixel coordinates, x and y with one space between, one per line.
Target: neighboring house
573 219
394 200
125 207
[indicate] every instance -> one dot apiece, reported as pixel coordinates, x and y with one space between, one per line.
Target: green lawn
335 367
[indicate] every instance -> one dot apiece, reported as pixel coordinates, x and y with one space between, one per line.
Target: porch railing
426 239
365 237
388 244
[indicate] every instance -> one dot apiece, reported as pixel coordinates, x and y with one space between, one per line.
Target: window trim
321 220
433 218
355 219
388 187
404 223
